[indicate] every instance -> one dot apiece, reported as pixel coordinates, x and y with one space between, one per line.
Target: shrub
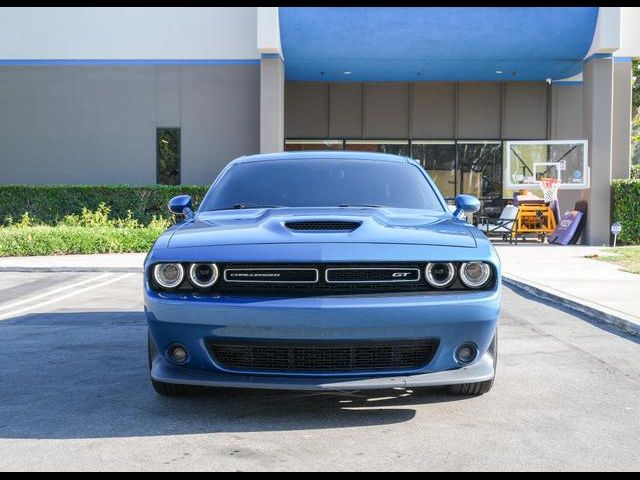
48 240
51 204
635 171
89 232
626 209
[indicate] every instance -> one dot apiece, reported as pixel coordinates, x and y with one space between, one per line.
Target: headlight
203 275
440 275
168 275
475 274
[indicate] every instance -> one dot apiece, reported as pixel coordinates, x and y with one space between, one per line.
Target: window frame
158 130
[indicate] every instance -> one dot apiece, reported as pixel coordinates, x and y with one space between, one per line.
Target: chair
504 226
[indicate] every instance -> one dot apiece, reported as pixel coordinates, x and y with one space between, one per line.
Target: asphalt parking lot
74 394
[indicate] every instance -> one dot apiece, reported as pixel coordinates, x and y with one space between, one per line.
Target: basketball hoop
549 188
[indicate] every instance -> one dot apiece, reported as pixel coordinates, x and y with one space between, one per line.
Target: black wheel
166 389
479 388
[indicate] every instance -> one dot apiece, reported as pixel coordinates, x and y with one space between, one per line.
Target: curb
619 322
73 269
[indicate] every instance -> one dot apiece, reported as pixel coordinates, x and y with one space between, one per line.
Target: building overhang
435 43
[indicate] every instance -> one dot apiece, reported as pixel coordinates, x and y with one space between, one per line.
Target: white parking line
52 292
15 313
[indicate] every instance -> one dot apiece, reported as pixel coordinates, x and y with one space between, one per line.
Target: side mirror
181 205
466 204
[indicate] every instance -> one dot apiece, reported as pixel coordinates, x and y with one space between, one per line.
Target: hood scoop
322 226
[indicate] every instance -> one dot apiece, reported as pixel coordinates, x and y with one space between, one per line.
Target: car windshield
322 183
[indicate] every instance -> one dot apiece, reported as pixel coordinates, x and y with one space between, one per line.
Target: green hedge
46 240
626 209
48 204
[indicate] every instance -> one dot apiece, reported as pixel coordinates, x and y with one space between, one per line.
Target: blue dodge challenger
322 271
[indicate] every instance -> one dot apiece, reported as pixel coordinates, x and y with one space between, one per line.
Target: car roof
323 154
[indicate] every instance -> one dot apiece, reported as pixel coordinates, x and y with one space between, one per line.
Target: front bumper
192 320
480 371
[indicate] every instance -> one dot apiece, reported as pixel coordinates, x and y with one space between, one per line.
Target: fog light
178 353
466 353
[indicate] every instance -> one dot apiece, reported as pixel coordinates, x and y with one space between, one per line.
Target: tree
635 76
635 112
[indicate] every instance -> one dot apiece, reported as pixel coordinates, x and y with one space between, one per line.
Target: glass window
394 147
168 155
302 145
321 182
480 166
439 159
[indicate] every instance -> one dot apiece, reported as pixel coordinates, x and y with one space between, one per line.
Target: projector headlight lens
440 275
168 275
203 275
475 274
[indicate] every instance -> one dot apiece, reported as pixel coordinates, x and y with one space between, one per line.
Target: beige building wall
431 110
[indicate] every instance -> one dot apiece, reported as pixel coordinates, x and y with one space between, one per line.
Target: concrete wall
422 110
566 112
128 33
271 104
622 76
598 129
567 124
433 110
97 124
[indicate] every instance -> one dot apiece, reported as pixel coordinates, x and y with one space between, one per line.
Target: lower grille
334 357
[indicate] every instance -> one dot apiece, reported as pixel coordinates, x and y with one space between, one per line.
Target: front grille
324 357
331 279
318 226
271 275
371 275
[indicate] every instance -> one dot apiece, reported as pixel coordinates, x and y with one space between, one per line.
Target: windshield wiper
361 205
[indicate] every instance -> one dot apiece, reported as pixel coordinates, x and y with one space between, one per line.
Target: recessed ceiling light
347 72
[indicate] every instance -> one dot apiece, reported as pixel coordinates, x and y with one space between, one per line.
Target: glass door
438 158
394 147
480 174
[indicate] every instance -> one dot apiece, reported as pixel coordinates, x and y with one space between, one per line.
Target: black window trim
158 129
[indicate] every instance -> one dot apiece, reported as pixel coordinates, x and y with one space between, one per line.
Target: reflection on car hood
268 225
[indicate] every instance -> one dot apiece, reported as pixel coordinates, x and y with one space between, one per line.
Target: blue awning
435 43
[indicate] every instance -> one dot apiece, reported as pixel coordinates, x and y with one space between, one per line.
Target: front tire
164 389
479 388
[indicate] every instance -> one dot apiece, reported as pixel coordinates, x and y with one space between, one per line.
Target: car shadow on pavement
85 375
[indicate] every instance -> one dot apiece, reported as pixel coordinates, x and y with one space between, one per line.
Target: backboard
528 162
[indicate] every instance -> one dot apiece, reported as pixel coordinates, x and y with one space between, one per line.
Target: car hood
376 225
